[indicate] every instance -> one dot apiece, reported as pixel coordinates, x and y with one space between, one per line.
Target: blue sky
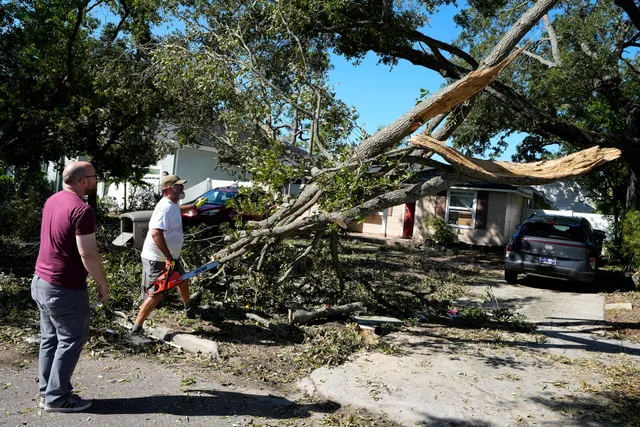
381 94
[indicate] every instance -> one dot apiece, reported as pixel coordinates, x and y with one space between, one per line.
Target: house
197 164
480 214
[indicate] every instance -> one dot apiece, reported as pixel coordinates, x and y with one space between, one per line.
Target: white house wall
167 164
515 211
374 224
196 165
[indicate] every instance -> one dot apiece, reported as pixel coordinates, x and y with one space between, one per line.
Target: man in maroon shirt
68 252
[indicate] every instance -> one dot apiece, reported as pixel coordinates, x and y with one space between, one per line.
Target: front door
407 224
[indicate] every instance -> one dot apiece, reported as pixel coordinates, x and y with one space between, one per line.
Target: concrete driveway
488 378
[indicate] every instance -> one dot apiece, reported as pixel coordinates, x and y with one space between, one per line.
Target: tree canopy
73 83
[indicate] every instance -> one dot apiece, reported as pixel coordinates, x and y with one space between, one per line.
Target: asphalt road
138 392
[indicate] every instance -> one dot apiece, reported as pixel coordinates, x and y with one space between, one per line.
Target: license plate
545 260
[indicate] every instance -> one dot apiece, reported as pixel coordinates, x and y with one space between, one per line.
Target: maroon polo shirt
65 216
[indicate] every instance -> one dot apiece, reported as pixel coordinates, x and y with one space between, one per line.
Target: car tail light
509 250
593 262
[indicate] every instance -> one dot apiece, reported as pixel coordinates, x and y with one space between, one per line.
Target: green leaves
73 84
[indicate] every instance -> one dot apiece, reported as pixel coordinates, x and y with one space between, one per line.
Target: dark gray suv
562 247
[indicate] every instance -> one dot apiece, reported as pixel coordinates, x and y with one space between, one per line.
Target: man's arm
191 206
92 262
186 208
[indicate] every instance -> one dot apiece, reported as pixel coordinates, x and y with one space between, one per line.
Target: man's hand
201 201
103 293
169 263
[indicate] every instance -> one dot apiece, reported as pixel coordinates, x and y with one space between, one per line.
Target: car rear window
220 197
554 231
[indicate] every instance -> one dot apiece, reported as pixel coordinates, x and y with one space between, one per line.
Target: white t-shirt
166 216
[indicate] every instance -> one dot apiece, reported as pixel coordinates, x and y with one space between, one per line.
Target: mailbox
133 229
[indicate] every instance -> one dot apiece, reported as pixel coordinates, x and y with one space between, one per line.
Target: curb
187 342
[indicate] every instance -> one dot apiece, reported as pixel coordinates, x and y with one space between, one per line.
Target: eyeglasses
88 176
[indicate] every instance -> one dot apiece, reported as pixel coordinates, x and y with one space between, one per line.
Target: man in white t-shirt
163 244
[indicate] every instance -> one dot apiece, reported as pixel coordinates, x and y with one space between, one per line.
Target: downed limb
541 172
273 327
304 254
300 317
462 90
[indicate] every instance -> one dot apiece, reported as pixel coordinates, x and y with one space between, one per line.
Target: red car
214 211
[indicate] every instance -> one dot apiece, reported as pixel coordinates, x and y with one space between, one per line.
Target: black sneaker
191 307
189 312
136 330
73 403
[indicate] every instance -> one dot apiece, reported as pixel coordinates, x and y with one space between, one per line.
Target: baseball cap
171 180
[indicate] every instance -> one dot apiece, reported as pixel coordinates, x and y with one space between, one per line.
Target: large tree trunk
633 188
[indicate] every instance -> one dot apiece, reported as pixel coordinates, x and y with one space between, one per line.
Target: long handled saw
171 278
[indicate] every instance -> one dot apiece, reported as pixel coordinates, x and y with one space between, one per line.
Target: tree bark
301 317
630 7
633 187
335 259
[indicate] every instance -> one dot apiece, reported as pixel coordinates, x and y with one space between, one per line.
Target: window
461 208
554 231
218 197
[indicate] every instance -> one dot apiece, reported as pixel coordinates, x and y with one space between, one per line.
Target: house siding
515 210
373 224
503 210
493 234
197 165
394 221
425 208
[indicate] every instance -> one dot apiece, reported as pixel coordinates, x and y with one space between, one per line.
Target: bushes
439 232
631 238
21 202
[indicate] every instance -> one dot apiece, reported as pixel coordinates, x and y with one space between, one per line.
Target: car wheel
510 277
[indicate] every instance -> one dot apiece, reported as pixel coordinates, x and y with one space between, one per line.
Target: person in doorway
162 246
68 253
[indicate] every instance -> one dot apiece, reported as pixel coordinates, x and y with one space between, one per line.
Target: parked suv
555 246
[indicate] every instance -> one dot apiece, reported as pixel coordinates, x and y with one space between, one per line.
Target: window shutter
482 205
441 204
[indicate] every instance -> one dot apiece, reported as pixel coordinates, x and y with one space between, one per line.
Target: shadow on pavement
604 408
559 339
211 403
606 281
579 340
454 422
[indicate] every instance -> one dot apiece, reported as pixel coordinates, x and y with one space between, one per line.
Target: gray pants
64 328
151 270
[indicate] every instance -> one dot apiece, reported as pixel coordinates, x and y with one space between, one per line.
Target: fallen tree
344 181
